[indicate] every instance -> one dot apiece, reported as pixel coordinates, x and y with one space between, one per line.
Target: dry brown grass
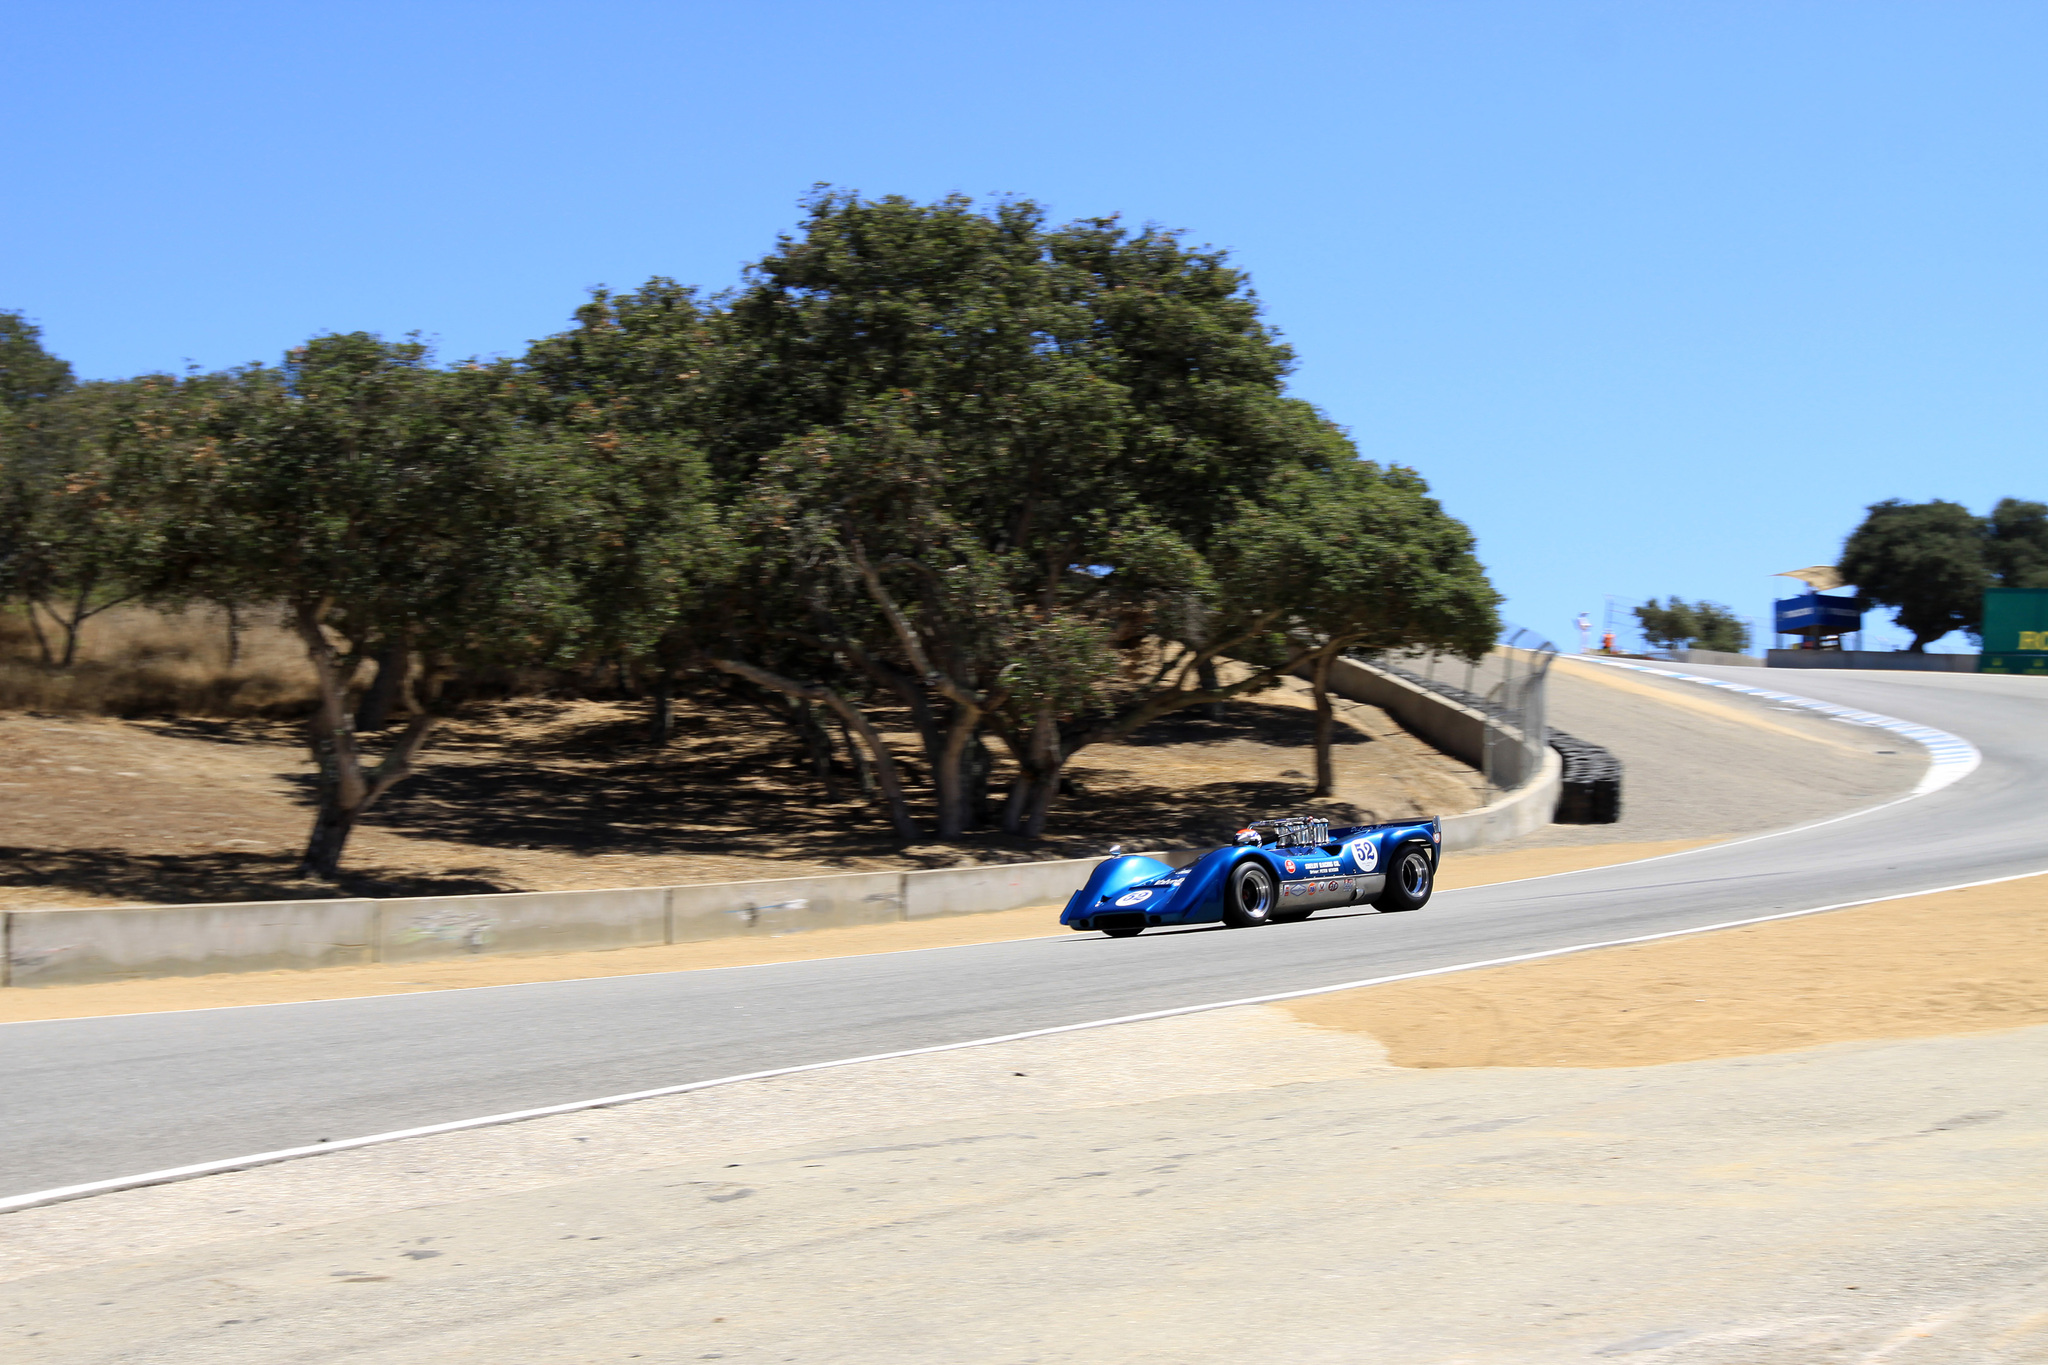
538 794
154 771
137 661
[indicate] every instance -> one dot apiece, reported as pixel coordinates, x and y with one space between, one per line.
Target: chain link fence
1510 687
1506 685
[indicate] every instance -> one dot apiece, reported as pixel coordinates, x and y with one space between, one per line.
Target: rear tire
1249 898
1409 881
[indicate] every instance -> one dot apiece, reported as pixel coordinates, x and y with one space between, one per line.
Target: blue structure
1816 617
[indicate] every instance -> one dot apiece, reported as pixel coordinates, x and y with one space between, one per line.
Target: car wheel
1123 933
1248 899
1409 881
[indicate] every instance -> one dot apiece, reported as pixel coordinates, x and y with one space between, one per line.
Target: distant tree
1671 625
1719 628
2016 544
1926 560
28 373
71 537
379 498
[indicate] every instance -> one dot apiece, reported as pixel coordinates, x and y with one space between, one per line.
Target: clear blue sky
1657 295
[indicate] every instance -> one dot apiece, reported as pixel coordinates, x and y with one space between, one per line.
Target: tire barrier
1591 794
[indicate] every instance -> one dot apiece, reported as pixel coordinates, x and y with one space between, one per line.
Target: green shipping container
2015 631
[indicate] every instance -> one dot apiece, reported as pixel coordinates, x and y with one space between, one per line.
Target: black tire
1123 933
1409 880
1249 899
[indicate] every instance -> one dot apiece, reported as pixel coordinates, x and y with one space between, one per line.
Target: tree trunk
331 828
234 635
861 766
950 778
885 762
661 727
35 627
1040 779
818 744
346 790
374 711
73 625
1326 777
977 766
1205 678
1040 805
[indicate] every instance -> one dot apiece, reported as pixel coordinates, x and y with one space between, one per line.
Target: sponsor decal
1365 853
1324 869
1290 867
1330 886
1134 897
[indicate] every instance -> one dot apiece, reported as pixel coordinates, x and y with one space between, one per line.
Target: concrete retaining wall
425 929
49 947
1457 730
68 947
1523 810
1724 658
1872 658
71 947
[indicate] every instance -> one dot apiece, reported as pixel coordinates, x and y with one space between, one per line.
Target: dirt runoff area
1966 961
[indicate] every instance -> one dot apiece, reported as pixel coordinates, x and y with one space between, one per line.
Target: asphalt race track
97 1099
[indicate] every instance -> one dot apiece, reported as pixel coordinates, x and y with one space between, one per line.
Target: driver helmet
1249 838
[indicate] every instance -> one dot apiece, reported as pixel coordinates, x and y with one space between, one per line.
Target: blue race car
1276 870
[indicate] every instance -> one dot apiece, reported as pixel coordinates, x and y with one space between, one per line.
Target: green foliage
1677 624
1719 629
1668 625
76 537
1356 555
2016 544
967 454
379 492
28 373
1924 559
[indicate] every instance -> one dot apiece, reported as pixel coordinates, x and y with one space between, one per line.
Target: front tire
1409 881
1249 898
1123 933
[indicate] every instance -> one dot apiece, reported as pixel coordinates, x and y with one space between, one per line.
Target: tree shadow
1252 722
215 877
